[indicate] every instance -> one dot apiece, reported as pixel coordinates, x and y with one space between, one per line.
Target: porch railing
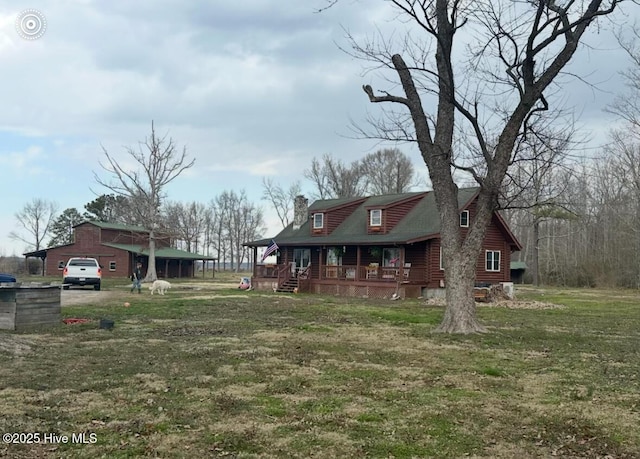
304 279
267 271
371 273
282 273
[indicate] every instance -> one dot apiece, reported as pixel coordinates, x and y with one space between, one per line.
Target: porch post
320 262
166 268
358 261
255 262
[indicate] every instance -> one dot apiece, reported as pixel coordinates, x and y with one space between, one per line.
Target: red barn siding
86 236
123 237
90 240
103 254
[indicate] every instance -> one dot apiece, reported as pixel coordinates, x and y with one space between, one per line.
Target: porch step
288 286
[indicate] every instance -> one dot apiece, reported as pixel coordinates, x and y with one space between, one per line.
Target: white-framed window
441 260
464 219
61 264
318 221
492 260
112 266
375 217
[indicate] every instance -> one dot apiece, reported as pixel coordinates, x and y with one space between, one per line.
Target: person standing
137 277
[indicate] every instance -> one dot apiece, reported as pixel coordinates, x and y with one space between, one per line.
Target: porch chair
405 272
372 270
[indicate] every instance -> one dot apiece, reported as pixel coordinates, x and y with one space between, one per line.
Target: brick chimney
300 211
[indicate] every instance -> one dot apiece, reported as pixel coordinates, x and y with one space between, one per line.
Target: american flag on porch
271 249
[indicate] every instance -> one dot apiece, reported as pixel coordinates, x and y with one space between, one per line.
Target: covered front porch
363 271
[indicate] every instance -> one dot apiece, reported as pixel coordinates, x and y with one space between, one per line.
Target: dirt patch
88 297
508 304
80 296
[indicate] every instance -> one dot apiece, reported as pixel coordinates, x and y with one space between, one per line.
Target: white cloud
251 88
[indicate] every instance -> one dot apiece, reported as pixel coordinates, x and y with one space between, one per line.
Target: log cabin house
377 247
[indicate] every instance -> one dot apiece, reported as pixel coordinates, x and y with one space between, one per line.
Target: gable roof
323 205
115 226
422 222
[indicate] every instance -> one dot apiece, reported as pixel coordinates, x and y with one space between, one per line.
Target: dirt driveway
86 296
78 296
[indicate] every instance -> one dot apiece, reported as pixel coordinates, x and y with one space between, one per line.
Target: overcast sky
252 88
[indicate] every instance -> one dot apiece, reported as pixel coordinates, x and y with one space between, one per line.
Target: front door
301 258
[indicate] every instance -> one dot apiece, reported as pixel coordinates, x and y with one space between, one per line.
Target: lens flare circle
31 24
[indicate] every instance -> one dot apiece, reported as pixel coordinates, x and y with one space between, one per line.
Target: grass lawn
209 371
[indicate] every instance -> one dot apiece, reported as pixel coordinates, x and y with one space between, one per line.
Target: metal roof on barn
115 226
164 252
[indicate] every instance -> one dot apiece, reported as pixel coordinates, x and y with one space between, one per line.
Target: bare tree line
588 234
384 171
579 219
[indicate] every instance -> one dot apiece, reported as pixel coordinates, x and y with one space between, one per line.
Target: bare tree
244 223
159 163
387 171
186 222
220 212
535 186
280 199
334 179
627 105
622 162
36 218
515 54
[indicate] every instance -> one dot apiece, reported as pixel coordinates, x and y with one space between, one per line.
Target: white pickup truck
82 271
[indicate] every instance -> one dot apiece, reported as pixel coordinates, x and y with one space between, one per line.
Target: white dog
161 286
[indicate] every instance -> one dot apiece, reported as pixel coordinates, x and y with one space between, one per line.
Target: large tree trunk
461 258
151 269
460 314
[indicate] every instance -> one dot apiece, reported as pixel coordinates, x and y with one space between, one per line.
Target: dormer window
318 221
464 219
375 218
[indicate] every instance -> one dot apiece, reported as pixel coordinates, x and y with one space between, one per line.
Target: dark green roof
386 199
518 265
421 223
160 253
115 226
325 204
